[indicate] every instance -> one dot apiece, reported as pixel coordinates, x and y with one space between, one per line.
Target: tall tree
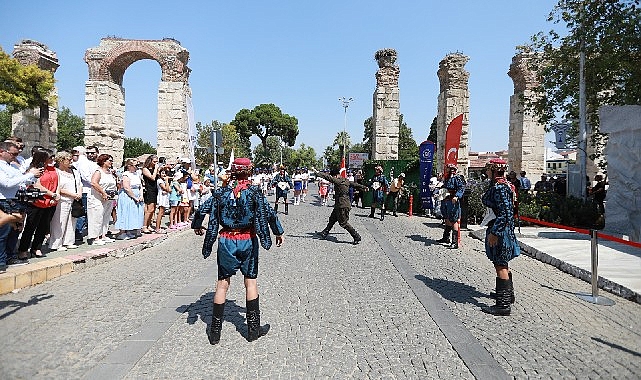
135 147
368 132
71 130
407 147
433 132
609 33
304 156
5 124
342 142
23 87
266 120
270 156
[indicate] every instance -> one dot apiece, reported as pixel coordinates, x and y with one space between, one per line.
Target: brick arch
105 96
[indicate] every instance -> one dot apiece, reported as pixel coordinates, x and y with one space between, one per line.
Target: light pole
345 102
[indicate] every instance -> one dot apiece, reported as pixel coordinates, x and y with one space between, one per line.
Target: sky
299 55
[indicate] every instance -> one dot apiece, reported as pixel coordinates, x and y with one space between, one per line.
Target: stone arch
105 96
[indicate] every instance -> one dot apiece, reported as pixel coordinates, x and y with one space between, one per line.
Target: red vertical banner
343 170
452 141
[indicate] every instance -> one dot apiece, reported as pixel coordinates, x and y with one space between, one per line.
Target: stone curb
36 273
585 275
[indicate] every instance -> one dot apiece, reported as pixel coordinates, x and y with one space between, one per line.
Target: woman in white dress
62 236
100 201
130 209
162 200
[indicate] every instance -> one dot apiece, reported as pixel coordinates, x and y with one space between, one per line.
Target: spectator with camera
11 179
70 188
100 201
40 212
130 208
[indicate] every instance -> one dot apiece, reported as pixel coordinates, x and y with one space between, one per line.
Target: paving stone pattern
335 311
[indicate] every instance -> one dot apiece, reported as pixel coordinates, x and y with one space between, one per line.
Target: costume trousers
341 215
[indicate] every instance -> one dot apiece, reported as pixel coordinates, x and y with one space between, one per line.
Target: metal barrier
594 256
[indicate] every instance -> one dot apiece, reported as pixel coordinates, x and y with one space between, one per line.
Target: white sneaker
72 246
98 242
107 240
61 249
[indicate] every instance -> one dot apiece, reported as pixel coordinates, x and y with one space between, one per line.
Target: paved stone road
396 306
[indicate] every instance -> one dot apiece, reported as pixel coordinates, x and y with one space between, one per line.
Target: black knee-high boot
382 214
512 297
276 207
254 329
454 238
446 235
355 235
372 210
286 208
216 323
502 306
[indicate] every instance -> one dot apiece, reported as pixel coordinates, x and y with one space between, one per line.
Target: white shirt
86 169
10 180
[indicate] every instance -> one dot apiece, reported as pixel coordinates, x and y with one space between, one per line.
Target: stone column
623 150
386 113
526 146
453 100
173 128
37 126
105 118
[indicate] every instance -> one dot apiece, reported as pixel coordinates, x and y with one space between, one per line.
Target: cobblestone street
398 305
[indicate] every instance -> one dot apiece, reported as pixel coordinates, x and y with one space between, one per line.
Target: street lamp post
345 102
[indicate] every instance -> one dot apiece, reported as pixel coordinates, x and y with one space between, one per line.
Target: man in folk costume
245 216
501 245
454 184
282 182
342 204
379 185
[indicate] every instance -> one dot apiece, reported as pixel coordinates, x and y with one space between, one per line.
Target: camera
162 160
111 194
18 204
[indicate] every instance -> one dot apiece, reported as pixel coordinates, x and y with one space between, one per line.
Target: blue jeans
81 223
8 242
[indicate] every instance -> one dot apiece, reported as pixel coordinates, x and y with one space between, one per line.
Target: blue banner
426 160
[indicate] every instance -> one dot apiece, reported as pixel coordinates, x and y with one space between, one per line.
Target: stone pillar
526 146
386 113
453 100
37 126
173 128
623 150
105 118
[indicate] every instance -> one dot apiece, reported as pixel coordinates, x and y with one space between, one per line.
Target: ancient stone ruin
38 126
105 96
386 113
526 146
453 100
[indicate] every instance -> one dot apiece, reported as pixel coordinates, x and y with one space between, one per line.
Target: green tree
23 87
266 120
135 147
368 132
304 156
5 124
407 147
267 157
231 140
71 130
433 132
342 142
609 33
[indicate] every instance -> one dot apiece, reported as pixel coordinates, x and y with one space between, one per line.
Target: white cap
80 149
185 160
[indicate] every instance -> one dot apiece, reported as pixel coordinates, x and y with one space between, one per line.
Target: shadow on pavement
453 291
558 290
614 345
423 239
17 305
203 309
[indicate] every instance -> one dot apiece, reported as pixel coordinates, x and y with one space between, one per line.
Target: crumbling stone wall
386 113
526 146
37 126
453 100
105 96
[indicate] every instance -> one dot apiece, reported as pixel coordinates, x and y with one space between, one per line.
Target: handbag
77 209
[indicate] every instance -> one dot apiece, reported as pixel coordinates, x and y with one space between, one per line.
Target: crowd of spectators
119 203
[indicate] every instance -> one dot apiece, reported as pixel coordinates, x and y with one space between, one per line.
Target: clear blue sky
300 55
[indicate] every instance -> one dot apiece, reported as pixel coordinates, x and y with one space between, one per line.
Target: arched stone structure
105 96
526 144
453 100
386 114
37 126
